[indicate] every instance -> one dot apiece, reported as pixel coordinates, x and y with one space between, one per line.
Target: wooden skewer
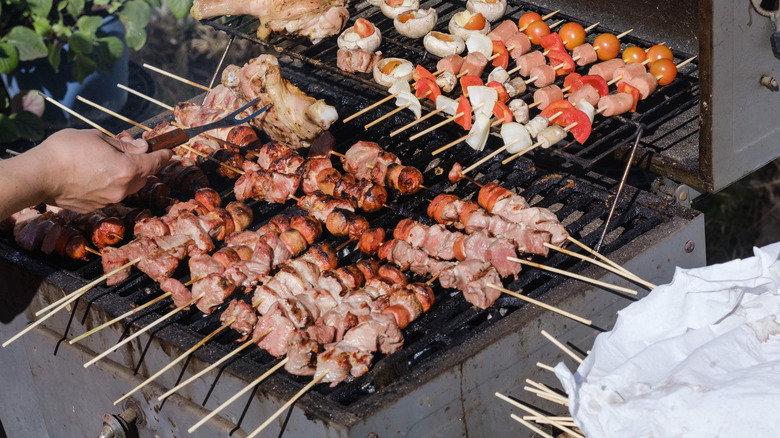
541 304
238 394
560 345
12 152
289 403
537 413
559 418
108 111
440 124
387 115
620 272
65 301
128 313
531 426
544 18
178 78
600 256
575 276
177 360
545 367
143 330
77 293
75 114
94 251
414 122
429 282
143 96
215 364
544 388
370 107
545 395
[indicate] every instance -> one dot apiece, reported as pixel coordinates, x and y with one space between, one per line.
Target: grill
454 356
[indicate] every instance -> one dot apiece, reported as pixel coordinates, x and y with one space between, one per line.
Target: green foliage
32 29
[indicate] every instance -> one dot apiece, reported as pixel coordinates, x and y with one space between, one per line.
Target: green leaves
9 58
8 130
28 125
135 16
40 8
180 8
27 43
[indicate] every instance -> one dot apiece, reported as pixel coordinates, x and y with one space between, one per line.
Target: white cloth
699 357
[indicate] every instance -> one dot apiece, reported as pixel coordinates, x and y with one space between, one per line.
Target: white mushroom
389 70
391 8
519 110
515 86
443 44
350 39
446 81
458 22
585 106
500 75
492 10
416 23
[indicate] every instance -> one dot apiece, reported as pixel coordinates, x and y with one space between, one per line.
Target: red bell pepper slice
598 83
581 131
464 109
573 81
427 89
563 106
502 112
552 41
501 54
503 96
625 88
422 72
467 81
558 57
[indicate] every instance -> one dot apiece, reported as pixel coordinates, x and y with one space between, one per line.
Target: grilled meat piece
266 185
302 354
245 317
369 161
471 277
179 293
282 331
214 290
341 360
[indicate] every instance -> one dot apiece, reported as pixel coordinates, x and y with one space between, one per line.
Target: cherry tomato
363 28
442 36
394 3
572 34
476 22
659 51
526 19
664 68
634 54
536 31
607 46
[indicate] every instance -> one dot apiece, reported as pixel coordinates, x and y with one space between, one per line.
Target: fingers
125 143
151 163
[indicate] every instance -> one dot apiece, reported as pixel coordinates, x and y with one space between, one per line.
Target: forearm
24 182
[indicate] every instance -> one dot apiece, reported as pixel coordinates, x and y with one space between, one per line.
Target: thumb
151 163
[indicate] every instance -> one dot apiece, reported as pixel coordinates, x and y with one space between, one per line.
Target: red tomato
467 81
427 89
634 54
526 19
598 83
536 31
394 3
572 34
476 22
552 42
664 70
572 82
580 131
502 112
422 72
363 28
659 51
558 57
625 88
464 109
607 46
503 96
403 18
501 55
559 106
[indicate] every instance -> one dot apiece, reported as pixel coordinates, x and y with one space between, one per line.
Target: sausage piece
547 95
241 214
584 54
209 198
528 61
310 228
614 104
543 75
371 240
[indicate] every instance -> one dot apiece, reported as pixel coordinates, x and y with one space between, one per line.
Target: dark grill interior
576 194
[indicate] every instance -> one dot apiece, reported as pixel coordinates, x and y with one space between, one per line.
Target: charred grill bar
455 356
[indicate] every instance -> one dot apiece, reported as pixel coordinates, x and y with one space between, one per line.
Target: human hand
85 170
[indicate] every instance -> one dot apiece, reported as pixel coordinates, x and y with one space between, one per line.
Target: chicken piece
295 118
341 360
213 291
203 265
279 158
112 259
357 60
276 340
375 332
471 277
179 293
158 264
301 354
245 318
